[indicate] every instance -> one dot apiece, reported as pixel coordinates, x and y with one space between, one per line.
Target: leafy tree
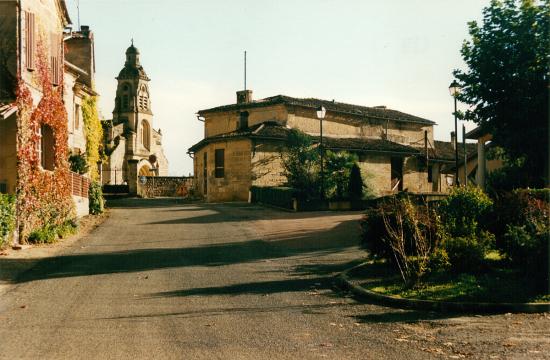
506 82
300 160
338 169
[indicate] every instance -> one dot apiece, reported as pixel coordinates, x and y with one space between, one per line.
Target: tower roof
132 50
132 68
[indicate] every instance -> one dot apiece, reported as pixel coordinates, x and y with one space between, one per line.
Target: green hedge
7 216
275 196
96 201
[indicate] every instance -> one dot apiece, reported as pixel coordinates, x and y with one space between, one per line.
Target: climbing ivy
94 135
43 197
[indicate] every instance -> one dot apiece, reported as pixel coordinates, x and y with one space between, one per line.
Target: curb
440 306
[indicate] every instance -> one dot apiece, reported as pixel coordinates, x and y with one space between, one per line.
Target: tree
506 83
300 160
355 183
338 169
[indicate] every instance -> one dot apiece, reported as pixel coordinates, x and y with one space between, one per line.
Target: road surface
165 280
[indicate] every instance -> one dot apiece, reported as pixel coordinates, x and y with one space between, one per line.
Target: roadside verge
13 263
363 294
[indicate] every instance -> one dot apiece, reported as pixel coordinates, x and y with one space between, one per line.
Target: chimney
453 140
85 30
244 96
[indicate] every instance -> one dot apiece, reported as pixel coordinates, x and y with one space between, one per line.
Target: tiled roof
275 131
331 106
444 150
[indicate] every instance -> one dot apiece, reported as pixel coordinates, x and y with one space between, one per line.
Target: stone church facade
133 147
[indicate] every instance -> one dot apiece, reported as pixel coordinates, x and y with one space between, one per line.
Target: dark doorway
397 174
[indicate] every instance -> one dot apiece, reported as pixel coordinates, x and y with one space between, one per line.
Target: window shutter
55 52
30 40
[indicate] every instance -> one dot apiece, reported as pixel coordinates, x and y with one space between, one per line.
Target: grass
497 283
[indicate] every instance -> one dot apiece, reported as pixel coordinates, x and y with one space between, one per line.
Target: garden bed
496 284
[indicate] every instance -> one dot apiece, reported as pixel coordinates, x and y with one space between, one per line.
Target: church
133 148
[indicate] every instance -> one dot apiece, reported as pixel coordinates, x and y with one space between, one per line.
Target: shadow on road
137 260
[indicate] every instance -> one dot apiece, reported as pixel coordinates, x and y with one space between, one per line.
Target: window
125 102
146 134
30 41
125 97
205 173
143 99
3 188
219 161
76 116
46 151
430 176
243 120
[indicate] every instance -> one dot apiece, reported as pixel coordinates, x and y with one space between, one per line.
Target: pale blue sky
394 53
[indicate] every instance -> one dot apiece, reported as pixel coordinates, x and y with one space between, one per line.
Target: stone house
242 143
133 146
23 24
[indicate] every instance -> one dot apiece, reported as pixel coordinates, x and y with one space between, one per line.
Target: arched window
146 134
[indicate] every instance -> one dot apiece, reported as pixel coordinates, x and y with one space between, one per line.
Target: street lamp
454 89
321 112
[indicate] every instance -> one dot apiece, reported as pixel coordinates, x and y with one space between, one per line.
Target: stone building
133 146
25 24
242 143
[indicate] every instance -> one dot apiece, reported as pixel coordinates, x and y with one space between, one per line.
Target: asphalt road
162 280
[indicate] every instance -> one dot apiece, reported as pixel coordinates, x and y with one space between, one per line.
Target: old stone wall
224 122
236 180
266 166
165 186
376 173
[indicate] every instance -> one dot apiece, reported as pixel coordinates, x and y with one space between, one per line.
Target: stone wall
165 186
237 179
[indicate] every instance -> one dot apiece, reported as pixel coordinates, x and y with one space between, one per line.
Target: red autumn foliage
43 197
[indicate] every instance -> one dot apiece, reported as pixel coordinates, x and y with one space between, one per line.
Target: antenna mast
78 12
245 69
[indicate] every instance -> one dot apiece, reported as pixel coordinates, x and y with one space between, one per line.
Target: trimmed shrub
96 201
467 254
463 210
7 216
275 196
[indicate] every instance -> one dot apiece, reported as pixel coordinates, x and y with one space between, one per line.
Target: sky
367 52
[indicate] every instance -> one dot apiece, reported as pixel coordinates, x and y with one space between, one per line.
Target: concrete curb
440 306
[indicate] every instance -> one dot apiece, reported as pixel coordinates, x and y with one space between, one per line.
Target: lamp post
321 112
454 89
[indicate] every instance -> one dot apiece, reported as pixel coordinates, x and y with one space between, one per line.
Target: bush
276 196
467 254
373 232
439 261
51 233
78 163
338 169
7 216
96 201
463 210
